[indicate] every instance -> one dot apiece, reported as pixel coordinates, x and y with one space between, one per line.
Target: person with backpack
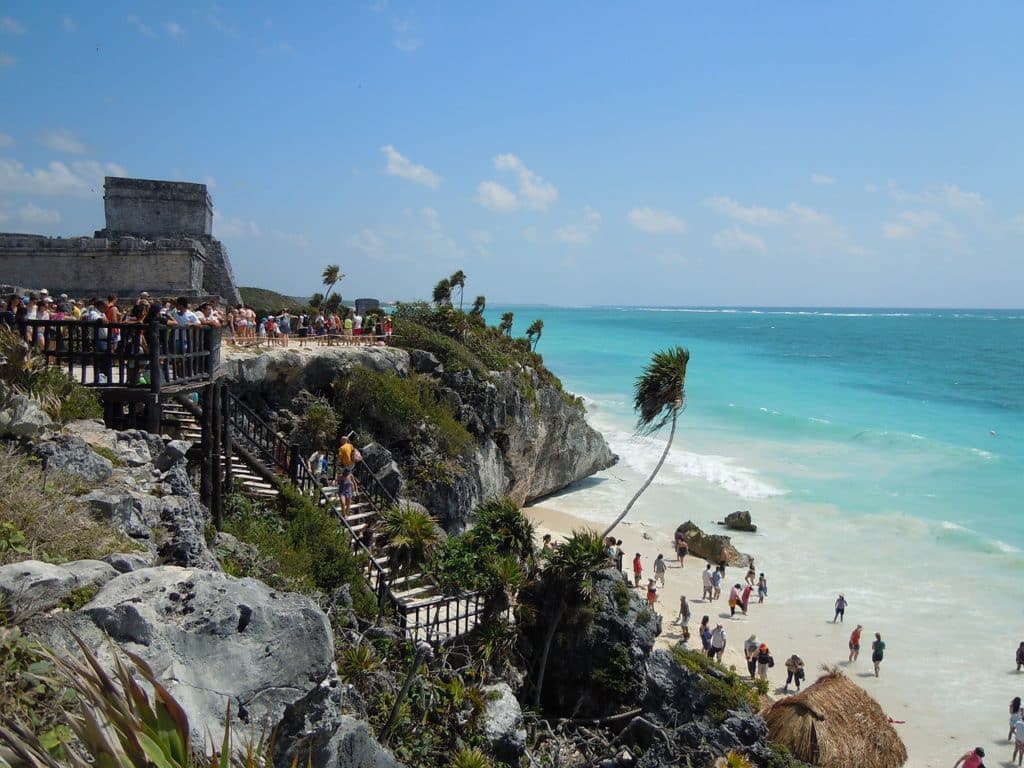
318 463
794 672
764 661
348 455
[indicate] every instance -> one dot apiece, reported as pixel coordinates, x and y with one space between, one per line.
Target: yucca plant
411 534
660 394
355 661
469 757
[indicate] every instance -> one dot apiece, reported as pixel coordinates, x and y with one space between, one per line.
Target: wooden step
421 601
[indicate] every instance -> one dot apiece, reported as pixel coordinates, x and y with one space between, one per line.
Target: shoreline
785 627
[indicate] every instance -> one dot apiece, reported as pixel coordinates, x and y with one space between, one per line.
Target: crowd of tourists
324 328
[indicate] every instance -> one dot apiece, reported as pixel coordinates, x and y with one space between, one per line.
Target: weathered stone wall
220 278
153 208
87 266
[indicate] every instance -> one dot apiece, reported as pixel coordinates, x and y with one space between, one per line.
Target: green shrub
620 593
616 678
725 690
78 597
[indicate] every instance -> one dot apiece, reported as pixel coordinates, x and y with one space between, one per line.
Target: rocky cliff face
531 439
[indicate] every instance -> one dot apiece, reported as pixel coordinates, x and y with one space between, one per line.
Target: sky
573 153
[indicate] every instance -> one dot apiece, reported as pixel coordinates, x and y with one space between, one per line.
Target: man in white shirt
182 318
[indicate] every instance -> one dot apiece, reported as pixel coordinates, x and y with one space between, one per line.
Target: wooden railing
145 356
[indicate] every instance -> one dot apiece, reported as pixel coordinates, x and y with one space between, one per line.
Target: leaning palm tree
458 280
479 305
533 333
569 573
505 326
660 394
331 276
443 292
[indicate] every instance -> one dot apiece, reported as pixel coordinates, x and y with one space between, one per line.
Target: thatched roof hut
834 723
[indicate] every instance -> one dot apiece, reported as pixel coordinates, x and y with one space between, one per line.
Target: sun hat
764 647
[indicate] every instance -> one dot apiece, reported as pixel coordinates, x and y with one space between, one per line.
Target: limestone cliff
530 438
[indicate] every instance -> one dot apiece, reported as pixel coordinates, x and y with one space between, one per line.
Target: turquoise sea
874 411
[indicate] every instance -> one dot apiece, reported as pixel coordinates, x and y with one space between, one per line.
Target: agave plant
411 534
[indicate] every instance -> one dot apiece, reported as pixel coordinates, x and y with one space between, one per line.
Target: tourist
346 455
764 661
734 599
638 570
357 324
745 598
659 569
840 609
349 326
855 643
682 550
794 672
750 649
207 316
877 651
705 635
1020 655
716 582
387 327
284 325
762 588
717 643
1017 731
9 316
545 546
318 464
652 594
706 577
620 554
972 759
683 619
347 490
1015 714
751 572
609 549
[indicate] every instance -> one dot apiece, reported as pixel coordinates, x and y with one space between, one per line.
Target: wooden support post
293 462
217 505
153 410
205 445
225 417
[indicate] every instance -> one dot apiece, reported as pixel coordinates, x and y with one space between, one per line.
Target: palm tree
331 276
443 292
660 394
533 333
316 300
479 304
569 573
458 280
411 534
505 326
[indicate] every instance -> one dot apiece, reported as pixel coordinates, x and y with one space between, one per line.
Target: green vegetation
412 535
78 597
264 301
620 593
301 545
48 522
24 370
725 690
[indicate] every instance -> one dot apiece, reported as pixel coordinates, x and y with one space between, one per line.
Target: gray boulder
714 548
126 562
172 453
503 724
90 573
22 416
379 460
33 585
211 639
739 521
71 454
425 362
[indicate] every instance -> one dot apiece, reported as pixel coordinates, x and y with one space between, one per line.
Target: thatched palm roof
835 724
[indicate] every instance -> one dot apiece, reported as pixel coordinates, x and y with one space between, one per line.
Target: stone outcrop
714 548
211 638
20 415
503 728
739 521
35 586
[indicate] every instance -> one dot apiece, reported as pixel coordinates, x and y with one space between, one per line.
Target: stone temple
158 238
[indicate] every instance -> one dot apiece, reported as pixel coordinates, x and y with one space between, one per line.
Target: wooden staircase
258 461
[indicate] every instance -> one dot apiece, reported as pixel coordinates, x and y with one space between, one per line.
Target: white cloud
580 232
61 140
68 23
656 222
492 195
803 213
1017 223
909 225
33 214
753 214
959 199
406 38
398 165
82 178
534 192
210 182
234 226
291 239
737 239
6 60
6 140
481 237
367 241
11 26
174 30
140 25
822 179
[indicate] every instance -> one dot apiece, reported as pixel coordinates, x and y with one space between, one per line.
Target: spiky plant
507 523
659 396
469 757
411 534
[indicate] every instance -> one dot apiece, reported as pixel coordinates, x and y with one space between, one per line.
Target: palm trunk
657 468
543 664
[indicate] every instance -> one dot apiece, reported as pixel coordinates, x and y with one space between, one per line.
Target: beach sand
809 632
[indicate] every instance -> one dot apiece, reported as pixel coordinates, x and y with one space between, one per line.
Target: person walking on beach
682 550
706 577
764 661
1020 655
745 598
855 643
620 554
972 759
734 599
716 583
652 594
840 608
683 619
751 572
659 569
750 649
1018 741
1015 715
794 672
638 570
762 588
877 651
705 635
717 642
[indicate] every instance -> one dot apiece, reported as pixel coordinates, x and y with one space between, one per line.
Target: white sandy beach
788 626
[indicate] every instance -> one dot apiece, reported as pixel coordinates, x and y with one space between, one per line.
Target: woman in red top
638 570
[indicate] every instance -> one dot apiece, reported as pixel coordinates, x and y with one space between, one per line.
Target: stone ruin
158 238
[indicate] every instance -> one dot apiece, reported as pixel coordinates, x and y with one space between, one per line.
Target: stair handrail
263 437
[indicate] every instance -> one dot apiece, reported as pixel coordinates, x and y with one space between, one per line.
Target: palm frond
661 389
